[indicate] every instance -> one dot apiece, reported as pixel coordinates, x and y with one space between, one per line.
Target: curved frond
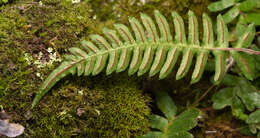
151 48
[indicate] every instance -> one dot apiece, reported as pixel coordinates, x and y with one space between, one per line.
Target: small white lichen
95 17
75 1
53 58
39 63
40 3
80 92
39 75
98 112
143 2
28 58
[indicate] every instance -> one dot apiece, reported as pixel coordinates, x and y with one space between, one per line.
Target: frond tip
151 51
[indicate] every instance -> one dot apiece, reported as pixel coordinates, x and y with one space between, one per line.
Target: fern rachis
150 52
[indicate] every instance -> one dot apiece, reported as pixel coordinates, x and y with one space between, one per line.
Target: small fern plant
172 126
150 52
247 10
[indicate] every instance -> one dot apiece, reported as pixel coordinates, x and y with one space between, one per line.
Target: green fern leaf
188 53
153 52
208 41
172 126
222 42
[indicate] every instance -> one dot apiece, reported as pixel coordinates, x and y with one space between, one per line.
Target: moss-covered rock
100 106
78 107
92 108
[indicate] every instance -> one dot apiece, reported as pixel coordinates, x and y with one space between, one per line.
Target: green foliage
253 120
151 53
239 95
247 9
172 126
3 1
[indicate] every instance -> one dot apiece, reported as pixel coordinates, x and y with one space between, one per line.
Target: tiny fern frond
153 52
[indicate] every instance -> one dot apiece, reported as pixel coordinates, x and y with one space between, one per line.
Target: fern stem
172 45
249 51
202 96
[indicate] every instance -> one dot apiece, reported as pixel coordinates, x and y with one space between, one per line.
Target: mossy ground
100 106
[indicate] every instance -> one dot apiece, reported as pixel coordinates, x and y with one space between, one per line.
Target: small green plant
245 9
240 95
152 53
172 126
3 1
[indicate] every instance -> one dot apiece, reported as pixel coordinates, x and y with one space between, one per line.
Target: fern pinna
151 52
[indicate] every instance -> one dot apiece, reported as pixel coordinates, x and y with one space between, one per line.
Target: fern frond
152 51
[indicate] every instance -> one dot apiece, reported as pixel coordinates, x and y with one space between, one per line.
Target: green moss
112 106
125 109
107 111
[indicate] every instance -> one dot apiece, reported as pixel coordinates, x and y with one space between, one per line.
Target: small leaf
193 37
181 125
100 64
199 66
163 26
166 104
222 42
113 37
147 60
249 103
150 28
124 60
171 60
220 5
246 37
138 30
241 27
254 127
158 62
179 28
112 62
223 98
238 109
254 117
125 33
136 60
184 122
158 122
230 80
90 47
192 113
101 42
90 66
255 97
231 14
185 63
248 5
253 18
246 63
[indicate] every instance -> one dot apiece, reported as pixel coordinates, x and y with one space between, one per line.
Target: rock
10 129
